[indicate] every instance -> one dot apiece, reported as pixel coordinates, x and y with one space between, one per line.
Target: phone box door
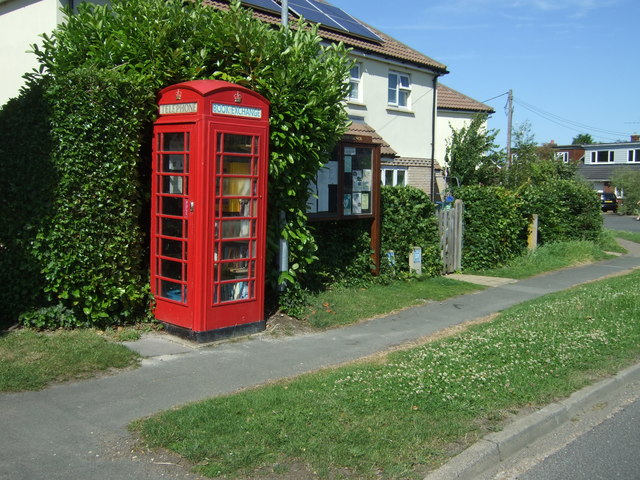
209 209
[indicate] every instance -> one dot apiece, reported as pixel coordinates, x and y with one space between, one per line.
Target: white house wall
21 23
446 122
408 131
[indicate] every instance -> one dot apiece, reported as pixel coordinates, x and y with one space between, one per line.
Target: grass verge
31 360
631 236
554 256
406 414
344 306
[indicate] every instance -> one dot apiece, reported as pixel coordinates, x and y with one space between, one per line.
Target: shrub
27 180
92 249
567 209
344 254
408 220
102 69
494 226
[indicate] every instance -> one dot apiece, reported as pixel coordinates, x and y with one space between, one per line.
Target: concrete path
79 430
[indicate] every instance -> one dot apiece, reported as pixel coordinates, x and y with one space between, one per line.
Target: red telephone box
208 220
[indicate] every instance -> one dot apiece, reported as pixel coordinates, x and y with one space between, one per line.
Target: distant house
568 153
602 160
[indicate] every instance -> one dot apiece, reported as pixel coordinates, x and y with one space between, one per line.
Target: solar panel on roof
348 22
305 9
332 17
268 5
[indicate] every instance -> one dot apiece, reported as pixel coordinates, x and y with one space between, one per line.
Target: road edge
499 446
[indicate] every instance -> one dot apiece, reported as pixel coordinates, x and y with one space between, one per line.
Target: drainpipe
433 139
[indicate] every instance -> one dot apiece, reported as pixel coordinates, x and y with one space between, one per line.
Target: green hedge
92 251
344 247
567 209
85 251
494 226
408 220
27 180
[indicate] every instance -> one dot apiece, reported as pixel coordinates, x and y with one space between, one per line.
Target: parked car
609 202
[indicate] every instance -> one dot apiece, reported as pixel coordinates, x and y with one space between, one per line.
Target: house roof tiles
358 129
450 99
389 47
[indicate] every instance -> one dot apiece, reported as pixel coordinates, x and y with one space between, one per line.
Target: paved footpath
79 430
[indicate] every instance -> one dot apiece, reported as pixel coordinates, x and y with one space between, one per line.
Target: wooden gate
450 226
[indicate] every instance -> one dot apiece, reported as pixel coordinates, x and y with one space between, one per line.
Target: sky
573 65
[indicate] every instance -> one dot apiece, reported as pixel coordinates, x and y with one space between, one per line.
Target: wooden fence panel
450 227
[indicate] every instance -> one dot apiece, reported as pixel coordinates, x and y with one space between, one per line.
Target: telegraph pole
284 13
509 126
284 244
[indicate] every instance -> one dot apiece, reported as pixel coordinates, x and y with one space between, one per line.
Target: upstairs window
634 156
603 156
399 89
564 156
355 87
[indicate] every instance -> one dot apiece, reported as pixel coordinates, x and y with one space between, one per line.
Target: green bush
92 251
344 254
102 69
27 180
567 209
408 220
494 226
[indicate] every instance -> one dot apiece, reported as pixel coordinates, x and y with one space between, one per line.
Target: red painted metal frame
184 287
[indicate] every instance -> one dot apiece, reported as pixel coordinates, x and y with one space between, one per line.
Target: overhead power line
565 122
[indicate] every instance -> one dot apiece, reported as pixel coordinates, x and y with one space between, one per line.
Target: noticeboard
348 185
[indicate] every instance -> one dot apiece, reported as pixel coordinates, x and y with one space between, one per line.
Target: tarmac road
600 443
626 223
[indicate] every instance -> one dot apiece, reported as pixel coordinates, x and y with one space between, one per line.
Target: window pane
237 165
171 248
171 227
393 81
173 291
171 269
237 143
235 228
401 178
392 97
404 99
404 81
355 72
173 163
172 184
234 270
171 206
173 142
354 90
234 291
236 186
388 177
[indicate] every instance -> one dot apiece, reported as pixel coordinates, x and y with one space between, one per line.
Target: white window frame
399 89
633 155
355 83
394 181
594 156
564 156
